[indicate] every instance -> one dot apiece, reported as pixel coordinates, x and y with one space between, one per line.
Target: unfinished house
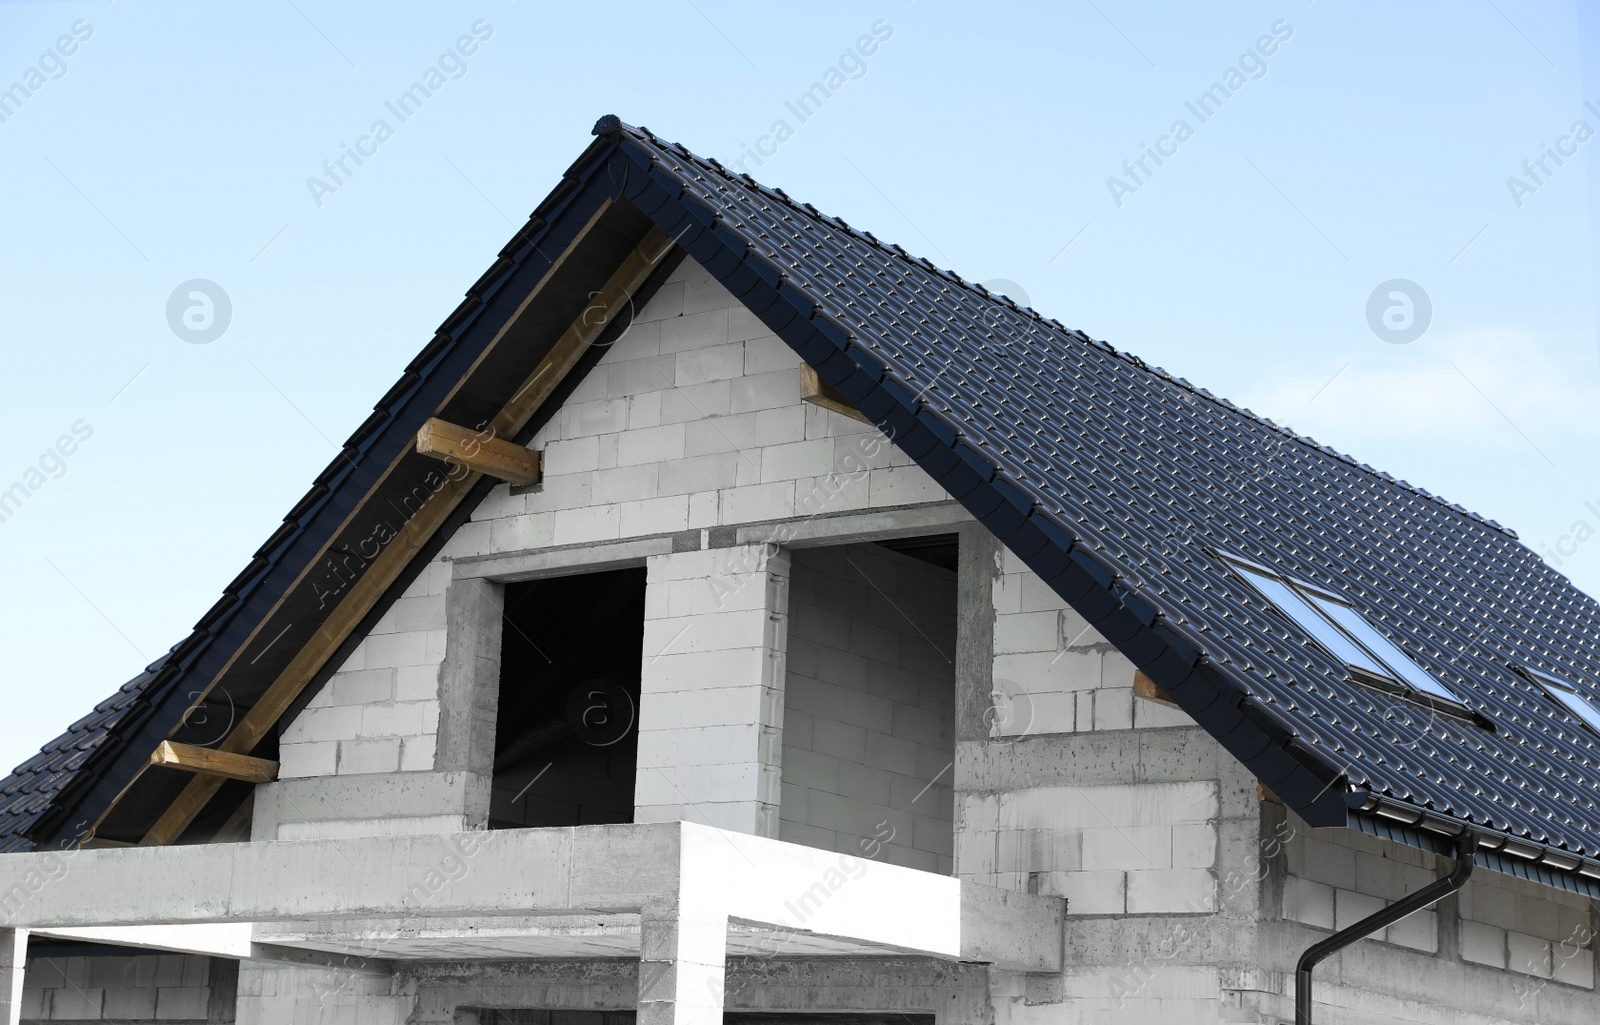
730 617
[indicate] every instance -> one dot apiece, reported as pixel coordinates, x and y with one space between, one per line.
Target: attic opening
869 701
566 737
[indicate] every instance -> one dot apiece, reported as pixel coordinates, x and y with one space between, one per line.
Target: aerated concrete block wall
1128 848
1134 847
1529 930
711 701
1336 878
1531 936
380 711
1153 837
691 421
1191 893
156 988
1052 672
868 722
1068 785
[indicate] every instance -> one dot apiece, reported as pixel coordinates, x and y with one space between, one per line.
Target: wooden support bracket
480 451
1144 687
211 762
819 392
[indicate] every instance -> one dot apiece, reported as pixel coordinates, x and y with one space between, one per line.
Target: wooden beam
386 568
1144 687
820 393
211 762
480 451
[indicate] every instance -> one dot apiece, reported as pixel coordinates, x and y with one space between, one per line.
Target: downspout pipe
1466 846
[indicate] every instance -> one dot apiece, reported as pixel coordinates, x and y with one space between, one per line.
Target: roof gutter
1466 846
1513 849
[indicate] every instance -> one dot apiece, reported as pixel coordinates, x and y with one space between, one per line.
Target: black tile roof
31 789
1118 484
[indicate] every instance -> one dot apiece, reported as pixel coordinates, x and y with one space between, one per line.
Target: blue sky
175 142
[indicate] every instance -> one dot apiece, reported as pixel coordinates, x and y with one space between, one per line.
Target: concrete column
469 680
711 705
13 956
682 965
977 567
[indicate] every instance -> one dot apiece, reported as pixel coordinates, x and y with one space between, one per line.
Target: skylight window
1570 699
1350 621
1346 635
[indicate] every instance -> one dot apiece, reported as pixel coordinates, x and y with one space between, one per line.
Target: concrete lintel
555 562
397 938
231 940
1170 754
384 795
851 527
796 532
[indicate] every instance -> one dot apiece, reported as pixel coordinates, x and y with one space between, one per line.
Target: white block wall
868 738
1527 929
1136 849
1053 673
1337 877
380 711
154 988
693 419
1126 848
711 688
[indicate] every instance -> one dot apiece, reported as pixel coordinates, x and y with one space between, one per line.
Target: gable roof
1117 483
